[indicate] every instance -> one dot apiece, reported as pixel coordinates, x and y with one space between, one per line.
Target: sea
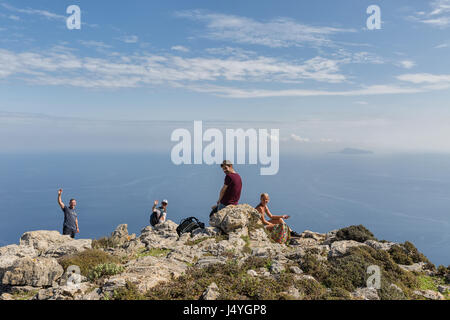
401 197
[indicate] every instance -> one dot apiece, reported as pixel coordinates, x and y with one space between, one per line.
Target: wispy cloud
297 138
129 39
419 78
261 93
30 11
407 64
180 48
439 14
63 67
95 44
276 33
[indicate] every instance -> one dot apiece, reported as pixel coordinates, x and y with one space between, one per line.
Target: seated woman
274 221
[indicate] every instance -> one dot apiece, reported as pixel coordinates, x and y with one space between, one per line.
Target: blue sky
310 68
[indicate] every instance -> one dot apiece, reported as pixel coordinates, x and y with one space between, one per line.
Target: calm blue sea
399 198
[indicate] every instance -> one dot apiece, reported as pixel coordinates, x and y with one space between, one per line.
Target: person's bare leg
277 221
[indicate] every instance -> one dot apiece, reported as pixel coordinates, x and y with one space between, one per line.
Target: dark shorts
68 231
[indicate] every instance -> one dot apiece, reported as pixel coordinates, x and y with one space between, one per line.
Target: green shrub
357 233
105 269
311 265
407 254
233 282
400 256
129 292
87 260
104 243
349 272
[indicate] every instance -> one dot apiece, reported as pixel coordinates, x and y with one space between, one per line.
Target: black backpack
189 225
154 219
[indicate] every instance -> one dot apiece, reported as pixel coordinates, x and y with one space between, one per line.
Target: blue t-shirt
69 218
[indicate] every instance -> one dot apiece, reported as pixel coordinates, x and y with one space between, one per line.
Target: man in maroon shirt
231 190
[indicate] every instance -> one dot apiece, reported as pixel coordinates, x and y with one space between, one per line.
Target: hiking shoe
295 234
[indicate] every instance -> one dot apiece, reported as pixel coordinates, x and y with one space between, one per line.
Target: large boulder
145 273
37 272
41 240
68 248
162 235
18 251
10 254
237 217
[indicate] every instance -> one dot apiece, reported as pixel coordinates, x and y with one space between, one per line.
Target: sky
136 70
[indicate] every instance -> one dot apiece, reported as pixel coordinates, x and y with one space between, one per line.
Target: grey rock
295 269
339 248
366 294
276 268
120 236
416 267
6 296
68 248
20 251
252 273
211 292
385 246
443 288
429 294
305 277
203 262
307 234
235 217
37 272
41 240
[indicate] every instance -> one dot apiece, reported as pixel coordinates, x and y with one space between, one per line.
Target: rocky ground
232 259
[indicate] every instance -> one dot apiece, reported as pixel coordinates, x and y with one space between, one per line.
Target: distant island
353 151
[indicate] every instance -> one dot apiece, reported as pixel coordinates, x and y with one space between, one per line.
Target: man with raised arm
70 226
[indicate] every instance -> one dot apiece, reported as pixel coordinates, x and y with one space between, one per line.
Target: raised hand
155 203
60 191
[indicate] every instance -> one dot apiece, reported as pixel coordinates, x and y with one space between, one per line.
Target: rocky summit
233 258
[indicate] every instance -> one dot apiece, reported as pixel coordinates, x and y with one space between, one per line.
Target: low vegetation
88 260
154 252
104 243
407 254
105 269
356 233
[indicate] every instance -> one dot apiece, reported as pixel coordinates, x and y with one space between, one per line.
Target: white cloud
299 139
419 78
43 13
280 32
442 45
439 15
363 103
231 92
180 48
129 39
407 64
59 67
95 44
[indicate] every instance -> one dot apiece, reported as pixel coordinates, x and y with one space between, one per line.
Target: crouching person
159 214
